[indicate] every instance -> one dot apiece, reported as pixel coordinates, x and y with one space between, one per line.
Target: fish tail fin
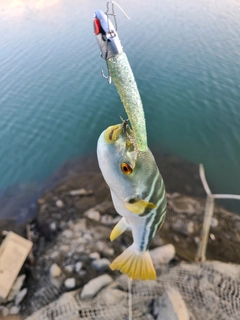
137 265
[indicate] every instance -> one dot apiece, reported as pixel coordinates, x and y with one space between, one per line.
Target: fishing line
130 299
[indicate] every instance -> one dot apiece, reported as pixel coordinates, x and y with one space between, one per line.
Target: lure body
138 194
122 75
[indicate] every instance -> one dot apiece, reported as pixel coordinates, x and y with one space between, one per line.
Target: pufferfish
138 194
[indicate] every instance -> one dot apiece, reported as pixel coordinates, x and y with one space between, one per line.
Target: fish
138 194
127 164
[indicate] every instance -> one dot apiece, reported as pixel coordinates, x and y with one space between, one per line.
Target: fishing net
207 290
210 290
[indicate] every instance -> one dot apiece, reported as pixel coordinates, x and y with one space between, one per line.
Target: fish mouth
113 133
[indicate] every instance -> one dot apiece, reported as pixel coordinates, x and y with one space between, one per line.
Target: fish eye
126 168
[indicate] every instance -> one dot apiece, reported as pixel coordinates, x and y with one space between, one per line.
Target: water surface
185 55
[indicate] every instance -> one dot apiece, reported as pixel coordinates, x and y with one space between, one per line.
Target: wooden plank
13 252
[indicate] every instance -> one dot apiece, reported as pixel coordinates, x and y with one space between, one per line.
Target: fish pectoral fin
119 228
137 205
136 265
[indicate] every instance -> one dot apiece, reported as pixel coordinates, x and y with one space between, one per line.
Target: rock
171 306
214 222
16 287
59 204
78 266
101 264
70 283
15 310
69 268
92 214
94 286
67 234
55 271
80 192
20 296
163 255
87 236
94 256
4 311
53 226
112 296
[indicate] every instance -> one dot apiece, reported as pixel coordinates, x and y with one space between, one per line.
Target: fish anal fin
136 265
119 228
138 206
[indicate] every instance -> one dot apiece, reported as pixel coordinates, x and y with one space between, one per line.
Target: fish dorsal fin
119 228
137 205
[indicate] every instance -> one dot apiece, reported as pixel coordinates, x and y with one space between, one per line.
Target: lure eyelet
126 168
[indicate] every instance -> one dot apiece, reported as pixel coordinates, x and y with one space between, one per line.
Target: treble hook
108 77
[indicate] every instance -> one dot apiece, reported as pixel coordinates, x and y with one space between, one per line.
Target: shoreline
19 203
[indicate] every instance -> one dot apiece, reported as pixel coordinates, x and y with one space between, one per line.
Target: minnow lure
127 165
120 71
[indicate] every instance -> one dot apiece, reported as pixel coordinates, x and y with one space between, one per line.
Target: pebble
163 255
16 287
15 310
93 214
80 192
70 283
67 233
101 264
94 256
59 203
4 311
171 306
69 268
78 266
20 296
214 222
94 286
53 226
55 271
87 236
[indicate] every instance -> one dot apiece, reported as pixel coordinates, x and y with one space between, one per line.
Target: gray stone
163 255
171 306
67 234
15 310
16 287
80 192
4 311
70 283
69 268
94 286
59 203
55 271
87 236
53 226
93 214
94 256
214 222
101 264
78 266
20 296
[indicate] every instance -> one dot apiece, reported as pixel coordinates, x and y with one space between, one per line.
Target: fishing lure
127 165
120 71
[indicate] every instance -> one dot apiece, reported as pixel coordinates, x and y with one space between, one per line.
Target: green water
185 55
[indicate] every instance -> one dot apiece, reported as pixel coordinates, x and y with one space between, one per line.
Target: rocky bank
72 250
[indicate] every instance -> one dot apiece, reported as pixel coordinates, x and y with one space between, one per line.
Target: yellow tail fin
137 265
